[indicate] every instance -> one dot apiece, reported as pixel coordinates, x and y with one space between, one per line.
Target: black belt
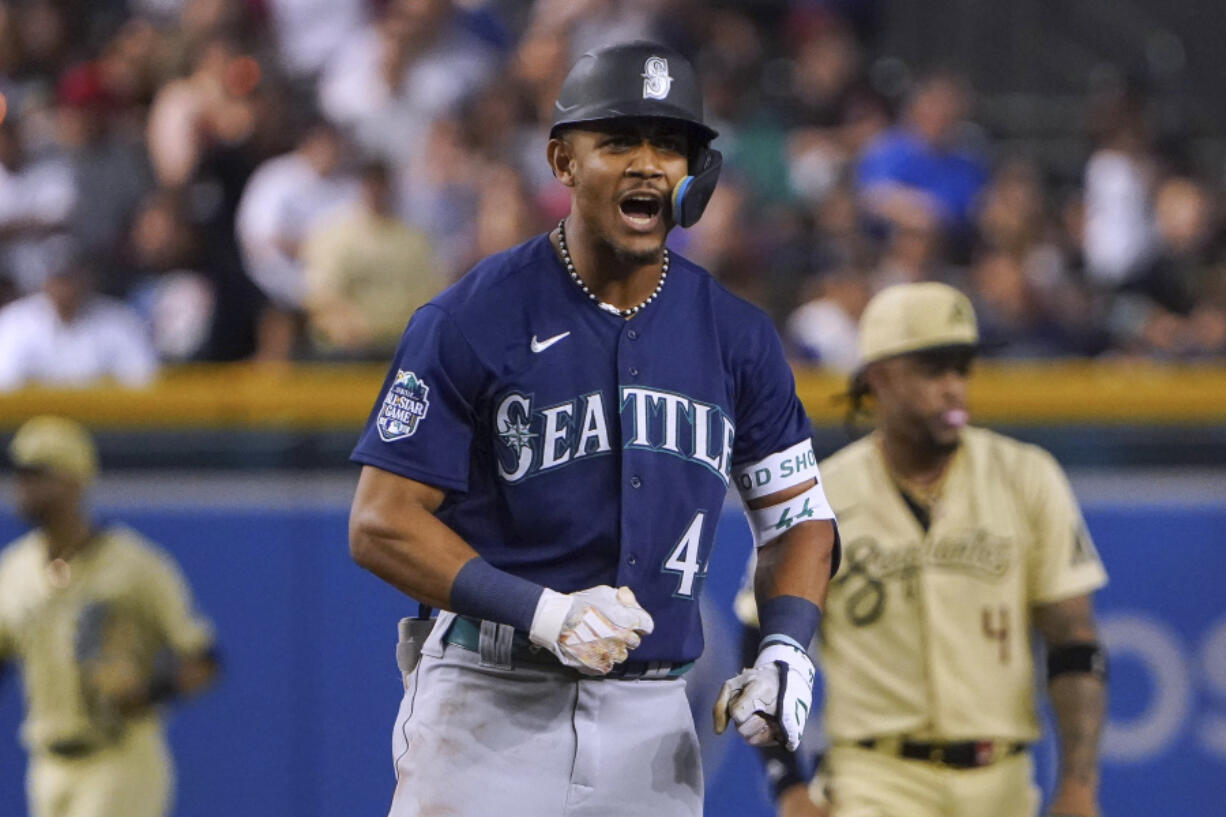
73 749
963 754
466 632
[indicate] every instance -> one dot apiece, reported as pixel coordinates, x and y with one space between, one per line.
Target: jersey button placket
631 499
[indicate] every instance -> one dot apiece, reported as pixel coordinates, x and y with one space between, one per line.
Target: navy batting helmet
644 80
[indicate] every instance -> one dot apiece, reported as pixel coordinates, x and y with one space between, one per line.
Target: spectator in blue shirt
920 165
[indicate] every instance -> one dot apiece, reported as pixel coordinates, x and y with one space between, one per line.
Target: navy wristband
788 620
483 591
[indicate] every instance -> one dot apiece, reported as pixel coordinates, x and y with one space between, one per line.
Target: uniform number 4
996 628
683 559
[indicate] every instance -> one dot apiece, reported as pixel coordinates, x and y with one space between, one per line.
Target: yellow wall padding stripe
1082 392
318 396
216 396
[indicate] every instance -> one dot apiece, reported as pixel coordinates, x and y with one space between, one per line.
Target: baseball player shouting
547 462
958 541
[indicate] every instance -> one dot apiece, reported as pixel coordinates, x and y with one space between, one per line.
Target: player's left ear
875 377
561 159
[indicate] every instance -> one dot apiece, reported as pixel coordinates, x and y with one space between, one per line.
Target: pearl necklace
607 307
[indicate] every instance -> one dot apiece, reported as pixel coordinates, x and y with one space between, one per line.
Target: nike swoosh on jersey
539 346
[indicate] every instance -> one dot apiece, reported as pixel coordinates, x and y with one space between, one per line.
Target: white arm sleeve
783 469
773 520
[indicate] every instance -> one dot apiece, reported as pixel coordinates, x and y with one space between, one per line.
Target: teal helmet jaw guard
692 193
652 81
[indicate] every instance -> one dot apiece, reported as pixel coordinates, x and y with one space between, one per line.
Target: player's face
40 495
623 177
921 397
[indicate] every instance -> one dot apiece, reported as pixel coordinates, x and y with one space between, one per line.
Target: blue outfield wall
300 724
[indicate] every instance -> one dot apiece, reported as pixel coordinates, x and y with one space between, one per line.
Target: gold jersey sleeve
47 613
167 600
1064 562
926 633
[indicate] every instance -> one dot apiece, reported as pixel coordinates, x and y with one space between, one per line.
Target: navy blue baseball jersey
576 447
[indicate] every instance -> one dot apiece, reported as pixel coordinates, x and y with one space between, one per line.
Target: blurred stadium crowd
288 179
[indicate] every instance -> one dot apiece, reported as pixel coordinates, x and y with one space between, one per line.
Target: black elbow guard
1085 657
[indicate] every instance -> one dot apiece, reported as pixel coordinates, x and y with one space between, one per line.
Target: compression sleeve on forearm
483 591
788 619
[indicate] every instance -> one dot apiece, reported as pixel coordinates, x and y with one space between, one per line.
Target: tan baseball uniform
926 633
84 761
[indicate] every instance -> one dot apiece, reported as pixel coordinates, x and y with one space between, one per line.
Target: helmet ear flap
692 193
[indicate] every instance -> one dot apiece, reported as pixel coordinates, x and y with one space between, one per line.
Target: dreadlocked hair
858 398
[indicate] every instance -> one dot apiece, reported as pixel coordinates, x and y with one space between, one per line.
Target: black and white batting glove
769 703
591 630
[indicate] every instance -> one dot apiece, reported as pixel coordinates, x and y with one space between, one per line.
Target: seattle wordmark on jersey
554 436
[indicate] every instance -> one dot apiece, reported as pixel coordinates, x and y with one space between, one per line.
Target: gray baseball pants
478 736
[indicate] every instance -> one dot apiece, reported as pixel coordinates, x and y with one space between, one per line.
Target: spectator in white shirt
309 32
68 336
393 78
36 199
823 330
1120 237
285 199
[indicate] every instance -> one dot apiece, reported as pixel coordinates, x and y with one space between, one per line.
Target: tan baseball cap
913 317
56 444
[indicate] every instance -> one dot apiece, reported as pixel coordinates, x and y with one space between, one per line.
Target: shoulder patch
404 407
1083 547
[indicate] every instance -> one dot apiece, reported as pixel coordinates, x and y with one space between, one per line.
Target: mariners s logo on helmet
656 80
404 406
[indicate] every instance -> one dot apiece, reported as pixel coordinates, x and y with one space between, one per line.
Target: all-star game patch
404 406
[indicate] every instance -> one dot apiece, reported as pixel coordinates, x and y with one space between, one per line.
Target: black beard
638 259
931 447
945 448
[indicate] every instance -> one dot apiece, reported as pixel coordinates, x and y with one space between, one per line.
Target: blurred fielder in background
958 541
101 623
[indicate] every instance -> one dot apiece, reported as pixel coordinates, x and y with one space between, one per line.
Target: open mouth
641 211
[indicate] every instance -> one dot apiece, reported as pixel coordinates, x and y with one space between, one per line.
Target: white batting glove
769 703
591 630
